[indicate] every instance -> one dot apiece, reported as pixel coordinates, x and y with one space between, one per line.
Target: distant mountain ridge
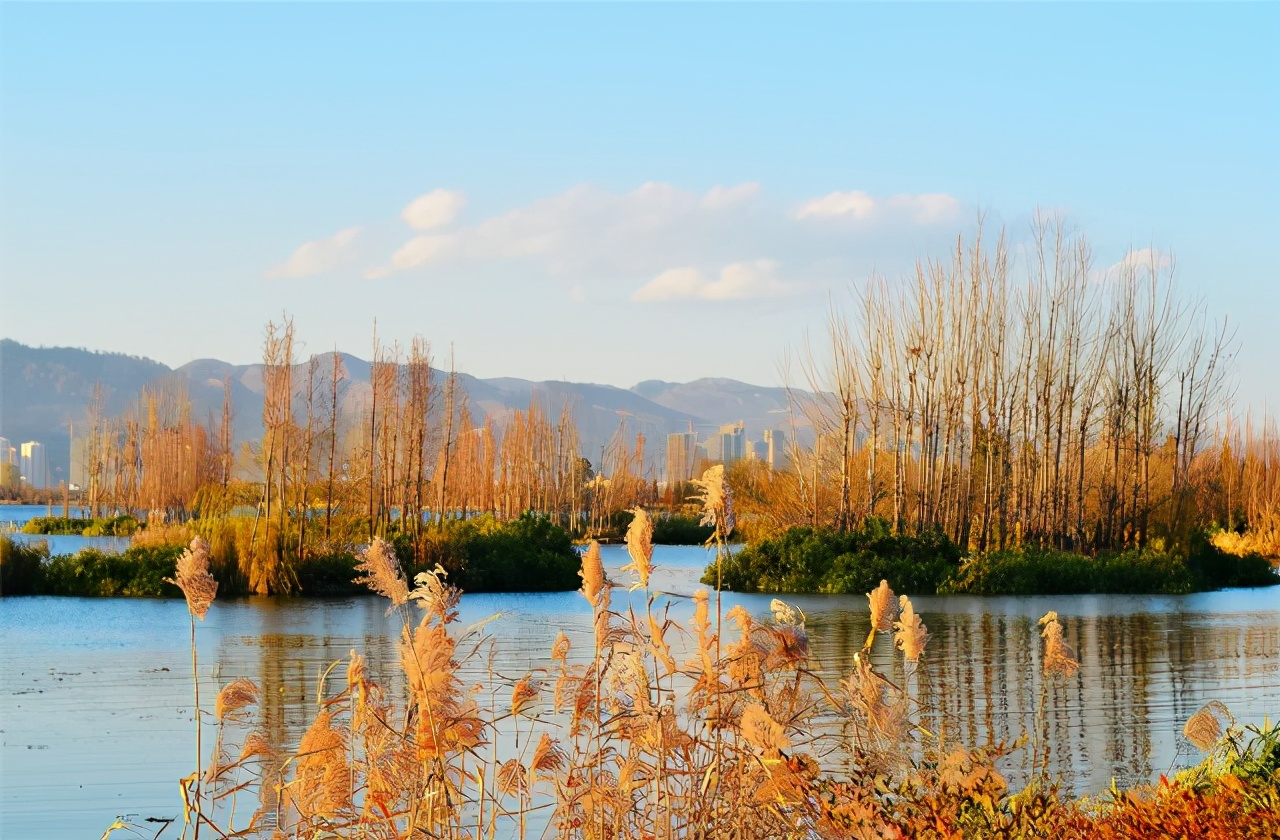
44 392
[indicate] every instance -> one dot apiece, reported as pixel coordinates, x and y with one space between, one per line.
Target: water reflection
111 731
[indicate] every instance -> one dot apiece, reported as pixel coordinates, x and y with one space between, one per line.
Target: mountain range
45 394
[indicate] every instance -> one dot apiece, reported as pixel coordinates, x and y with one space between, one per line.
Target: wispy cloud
729 242
737 281
319 256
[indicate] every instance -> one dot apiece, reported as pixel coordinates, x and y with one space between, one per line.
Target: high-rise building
6 451
733 442
682 452
775 442
34 470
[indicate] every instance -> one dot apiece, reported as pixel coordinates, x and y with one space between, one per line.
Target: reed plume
884 611
234 696
1204 728
523 693
761 731
380 571
1058 659
911 635
640 547
592 572
193 578
717 501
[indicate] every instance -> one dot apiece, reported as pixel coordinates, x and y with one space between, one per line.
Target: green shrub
21 566
114 526
1036 571
331 574
138 572
1213 568
680 530
821 560
529 554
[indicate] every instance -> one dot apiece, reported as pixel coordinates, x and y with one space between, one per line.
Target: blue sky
607 192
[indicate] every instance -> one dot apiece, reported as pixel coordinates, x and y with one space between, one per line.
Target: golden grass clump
380 571
1058 659
1204 729
911 635
235 696
193 578
640 547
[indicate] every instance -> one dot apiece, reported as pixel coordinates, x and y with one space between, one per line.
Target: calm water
96 711
13 517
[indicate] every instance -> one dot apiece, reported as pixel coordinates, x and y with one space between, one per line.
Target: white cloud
1140 261
319 256
600 240
720 197
421 249
737 281
434 209
923 209
857 204
927 208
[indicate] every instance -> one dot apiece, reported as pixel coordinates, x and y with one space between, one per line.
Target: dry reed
640 547
193 578
911 635
1058 657
1205 728
380 571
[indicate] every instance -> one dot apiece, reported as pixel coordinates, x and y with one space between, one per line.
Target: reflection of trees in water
979 683
1141 675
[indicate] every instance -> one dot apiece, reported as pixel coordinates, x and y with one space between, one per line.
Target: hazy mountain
44 391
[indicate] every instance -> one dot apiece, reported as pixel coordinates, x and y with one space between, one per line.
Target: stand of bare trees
1006 400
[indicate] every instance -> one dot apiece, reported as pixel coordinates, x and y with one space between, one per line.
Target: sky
609 193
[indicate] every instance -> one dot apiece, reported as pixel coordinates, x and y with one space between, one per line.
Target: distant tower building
733 442
6 451
34 469
682 453
775 449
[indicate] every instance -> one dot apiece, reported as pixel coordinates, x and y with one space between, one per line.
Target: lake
96 710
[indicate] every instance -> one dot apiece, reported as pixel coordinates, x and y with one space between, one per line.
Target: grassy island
809 560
